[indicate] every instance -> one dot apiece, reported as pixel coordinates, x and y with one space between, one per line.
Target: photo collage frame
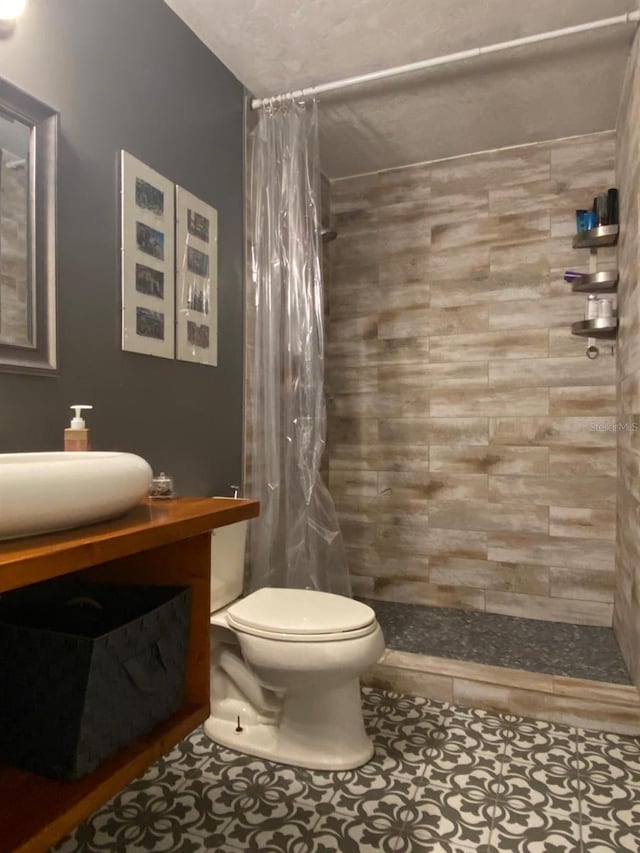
197 310
169 245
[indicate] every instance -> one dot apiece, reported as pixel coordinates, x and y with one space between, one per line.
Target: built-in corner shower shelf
595 282
604 235
599 327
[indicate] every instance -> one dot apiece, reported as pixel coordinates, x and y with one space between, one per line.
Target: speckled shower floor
557 648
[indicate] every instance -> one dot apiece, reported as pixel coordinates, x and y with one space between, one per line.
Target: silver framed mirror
28 160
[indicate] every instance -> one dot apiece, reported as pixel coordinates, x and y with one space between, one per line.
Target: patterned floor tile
261 790
339 833
486 730
186 761
528 830
553 787
282 830
353 798
384 808
389 711
457 751
144 820
198 844
539 743
389 704
197 747
438 845
617 751
454 816
603 838
397 755
467 775
442 780
522 738
605 793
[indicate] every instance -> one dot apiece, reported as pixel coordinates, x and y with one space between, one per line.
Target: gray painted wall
131 75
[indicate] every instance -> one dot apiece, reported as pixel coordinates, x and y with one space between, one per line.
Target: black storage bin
86 668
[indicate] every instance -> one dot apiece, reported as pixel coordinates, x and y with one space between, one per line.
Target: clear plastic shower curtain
296 541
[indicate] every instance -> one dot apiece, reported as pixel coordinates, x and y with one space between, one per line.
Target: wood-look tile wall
627 598
471 447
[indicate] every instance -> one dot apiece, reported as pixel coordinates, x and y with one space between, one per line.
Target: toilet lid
299 613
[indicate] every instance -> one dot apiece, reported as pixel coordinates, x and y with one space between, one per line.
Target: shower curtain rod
628 18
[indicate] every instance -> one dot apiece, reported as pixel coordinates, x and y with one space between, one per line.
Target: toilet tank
227 563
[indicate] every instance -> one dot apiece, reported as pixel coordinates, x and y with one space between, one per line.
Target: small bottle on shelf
591 311
602 209
612 206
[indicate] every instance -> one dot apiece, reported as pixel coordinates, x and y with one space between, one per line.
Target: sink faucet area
44 492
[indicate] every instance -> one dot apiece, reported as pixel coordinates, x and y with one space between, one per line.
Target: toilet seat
301 615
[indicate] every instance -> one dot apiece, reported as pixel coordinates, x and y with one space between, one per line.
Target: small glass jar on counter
161 487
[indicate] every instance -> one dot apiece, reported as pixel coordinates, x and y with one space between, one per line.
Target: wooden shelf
150 525
157 543
36 812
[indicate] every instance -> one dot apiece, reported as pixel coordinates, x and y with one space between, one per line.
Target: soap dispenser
76 437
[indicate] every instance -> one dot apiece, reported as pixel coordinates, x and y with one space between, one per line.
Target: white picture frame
196 279
148 259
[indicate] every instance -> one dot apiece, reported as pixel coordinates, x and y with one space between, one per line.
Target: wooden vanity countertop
149 525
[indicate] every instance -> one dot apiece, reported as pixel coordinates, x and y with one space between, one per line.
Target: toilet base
319 732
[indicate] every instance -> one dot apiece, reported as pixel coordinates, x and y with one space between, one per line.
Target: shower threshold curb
598 705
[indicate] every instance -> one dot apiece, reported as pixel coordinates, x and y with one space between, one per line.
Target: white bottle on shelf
592 307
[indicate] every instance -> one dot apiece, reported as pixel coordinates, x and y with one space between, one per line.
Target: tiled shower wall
472 452
627 602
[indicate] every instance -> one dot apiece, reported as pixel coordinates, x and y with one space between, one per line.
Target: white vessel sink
42 492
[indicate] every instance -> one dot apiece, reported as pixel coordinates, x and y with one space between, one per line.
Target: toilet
285 665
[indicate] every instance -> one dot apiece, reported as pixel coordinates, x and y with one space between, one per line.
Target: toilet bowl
284 674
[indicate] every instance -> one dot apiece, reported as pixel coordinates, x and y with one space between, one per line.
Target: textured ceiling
559 88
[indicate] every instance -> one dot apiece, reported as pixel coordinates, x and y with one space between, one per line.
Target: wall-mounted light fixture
10 10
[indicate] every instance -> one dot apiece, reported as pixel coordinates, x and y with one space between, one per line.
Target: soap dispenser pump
76 436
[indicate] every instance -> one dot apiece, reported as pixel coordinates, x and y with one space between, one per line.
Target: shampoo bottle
76 437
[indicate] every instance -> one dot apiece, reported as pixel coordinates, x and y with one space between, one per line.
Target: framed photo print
148 259
196 279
